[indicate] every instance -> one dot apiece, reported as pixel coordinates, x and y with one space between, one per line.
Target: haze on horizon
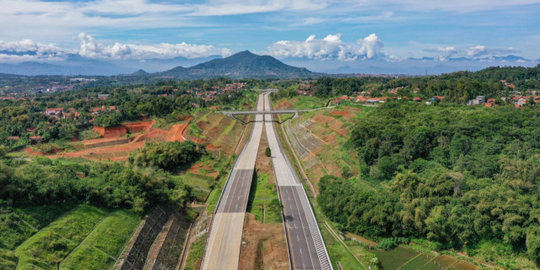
389 36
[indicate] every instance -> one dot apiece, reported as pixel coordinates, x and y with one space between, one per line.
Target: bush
169 156
391 243
268 152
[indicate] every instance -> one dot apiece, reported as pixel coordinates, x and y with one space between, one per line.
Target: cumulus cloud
481 50
93 49
27 50
478 52
330 47
443 51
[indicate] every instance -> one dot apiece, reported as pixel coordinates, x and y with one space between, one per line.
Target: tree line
456 175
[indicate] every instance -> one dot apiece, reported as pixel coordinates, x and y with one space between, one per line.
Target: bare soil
115 146
263 246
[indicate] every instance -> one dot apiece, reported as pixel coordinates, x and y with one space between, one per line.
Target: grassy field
195 253
105 243
48 247
300 102
263 195
17 225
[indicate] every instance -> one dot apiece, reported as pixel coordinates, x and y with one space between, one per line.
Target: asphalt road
305 242
225 236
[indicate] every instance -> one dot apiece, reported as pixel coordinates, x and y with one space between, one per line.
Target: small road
224 241
306 245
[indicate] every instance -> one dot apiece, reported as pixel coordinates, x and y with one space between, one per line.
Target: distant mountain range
248 65
241 65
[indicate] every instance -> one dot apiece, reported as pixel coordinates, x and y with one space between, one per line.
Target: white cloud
93 49
28 50
481 50
456 5
328 48
234 7
311 21
443 52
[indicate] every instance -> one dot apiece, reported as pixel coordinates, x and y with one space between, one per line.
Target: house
36 139
521 101
417 99
490 103
376 100
103 96
54 112
97 110
360 99
339 99
479 100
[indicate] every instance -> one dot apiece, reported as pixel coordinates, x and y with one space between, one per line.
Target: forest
459 87
461 177
138 186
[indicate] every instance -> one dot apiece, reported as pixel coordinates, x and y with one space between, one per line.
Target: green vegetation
267 152
43 181
263 200
18 224
170 156
86 237
104 244
47 248
461 177
196 251
457 87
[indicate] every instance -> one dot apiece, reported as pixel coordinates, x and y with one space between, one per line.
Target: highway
225 235
305 242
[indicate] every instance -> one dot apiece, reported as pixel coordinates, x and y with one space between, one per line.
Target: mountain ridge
244 64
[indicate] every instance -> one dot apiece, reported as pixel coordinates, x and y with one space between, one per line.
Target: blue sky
311 32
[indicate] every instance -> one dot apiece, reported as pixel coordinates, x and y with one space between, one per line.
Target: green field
86 237
303 102
47 248
17 225
195 253
105 243
263 195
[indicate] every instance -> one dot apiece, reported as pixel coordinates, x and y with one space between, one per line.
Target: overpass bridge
294 113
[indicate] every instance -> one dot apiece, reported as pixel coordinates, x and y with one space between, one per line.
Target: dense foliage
458 87
169 156
43 181
456 175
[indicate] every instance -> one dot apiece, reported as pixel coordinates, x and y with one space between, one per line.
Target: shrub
169 156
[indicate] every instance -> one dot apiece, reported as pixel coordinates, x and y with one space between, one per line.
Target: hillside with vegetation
454 177
240 65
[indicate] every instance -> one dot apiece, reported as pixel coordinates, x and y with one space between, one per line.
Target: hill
241 65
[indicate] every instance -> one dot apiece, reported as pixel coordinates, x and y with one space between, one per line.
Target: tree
267 152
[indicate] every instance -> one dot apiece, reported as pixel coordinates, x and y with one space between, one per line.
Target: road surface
225 236
305 242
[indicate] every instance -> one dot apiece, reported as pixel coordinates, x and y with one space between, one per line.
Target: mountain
139 73
241 65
